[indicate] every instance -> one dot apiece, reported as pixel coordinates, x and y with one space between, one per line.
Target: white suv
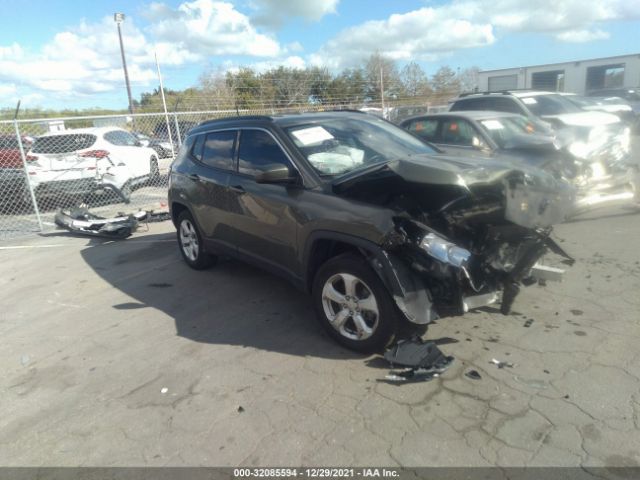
83 161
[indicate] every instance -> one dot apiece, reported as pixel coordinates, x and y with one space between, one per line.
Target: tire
154 170
125 192
368 319
190 243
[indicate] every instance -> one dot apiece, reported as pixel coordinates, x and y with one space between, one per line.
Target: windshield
507 130
335 146
64 143
550 105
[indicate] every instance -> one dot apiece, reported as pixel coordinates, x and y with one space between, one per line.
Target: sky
65 54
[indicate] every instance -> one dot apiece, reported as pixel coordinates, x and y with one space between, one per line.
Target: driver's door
263 216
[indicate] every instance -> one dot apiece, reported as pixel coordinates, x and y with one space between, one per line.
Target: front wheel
190 243
353 305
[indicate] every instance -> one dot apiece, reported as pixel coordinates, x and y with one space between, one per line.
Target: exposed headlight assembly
444 251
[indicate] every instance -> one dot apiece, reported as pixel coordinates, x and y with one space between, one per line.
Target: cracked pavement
117 354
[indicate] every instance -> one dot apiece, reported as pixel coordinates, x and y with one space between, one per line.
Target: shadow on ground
231 304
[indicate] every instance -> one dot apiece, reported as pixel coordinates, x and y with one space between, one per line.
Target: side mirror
476 143
278 174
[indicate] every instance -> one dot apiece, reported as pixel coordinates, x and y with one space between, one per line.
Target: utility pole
119 18
382 90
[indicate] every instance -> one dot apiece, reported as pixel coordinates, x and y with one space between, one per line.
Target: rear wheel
125 192
154 170
353 305
190 243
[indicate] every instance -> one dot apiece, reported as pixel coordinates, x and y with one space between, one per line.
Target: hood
530 197
464 172
531 142
583 119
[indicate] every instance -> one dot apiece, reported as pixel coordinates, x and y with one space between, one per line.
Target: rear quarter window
63 143
425 128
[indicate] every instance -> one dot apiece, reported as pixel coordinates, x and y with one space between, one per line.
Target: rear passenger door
264 215
213 156
425 128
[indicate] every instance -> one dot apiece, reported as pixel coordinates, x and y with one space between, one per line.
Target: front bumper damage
431 289
463 236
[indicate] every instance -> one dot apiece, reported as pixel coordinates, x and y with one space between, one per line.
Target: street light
119 18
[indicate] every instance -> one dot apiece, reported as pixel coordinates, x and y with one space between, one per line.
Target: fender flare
377 257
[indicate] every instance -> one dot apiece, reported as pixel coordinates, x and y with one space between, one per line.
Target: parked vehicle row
76 163
587 146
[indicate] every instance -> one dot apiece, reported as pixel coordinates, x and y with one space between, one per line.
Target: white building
577 77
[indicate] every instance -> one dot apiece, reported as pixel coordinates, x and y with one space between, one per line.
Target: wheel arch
176 208
324 245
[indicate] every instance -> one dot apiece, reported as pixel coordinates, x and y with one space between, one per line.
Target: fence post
24 168
175 120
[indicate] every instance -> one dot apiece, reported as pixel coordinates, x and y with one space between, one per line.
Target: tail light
94 154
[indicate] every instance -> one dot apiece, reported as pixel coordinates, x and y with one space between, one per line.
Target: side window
258 151
218 149
196 149
120 138
425 128
457 132
506 105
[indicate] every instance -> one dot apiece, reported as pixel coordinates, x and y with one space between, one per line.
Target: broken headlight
444 251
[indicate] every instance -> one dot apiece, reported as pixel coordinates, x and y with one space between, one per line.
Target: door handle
194 177
237 189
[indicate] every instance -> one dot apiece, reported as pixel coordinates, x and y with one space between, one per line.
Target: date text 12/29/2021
315 473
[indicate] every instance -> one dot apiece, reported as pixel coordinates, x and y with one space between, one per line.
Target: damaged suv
384 231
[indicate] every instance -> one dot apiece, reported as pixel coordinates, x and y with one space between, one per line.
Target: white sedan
82 161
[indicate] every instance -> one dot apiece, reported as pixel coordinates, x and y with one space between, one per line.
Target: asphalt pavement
117 354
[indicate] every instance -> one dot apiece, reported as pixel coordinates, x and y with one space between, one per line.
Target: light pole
119 18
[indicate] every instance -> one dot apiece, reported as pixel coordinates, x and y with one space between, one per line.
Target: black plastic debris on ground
473 375
422 360
81 220
154 217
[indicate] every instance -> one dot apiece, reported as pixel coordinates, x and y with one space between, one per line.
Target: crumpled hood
446 170
532 198
584 119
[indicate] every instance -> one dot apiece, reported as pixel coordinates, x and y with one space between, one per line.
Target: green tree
445 81
415 80
377 69
468 79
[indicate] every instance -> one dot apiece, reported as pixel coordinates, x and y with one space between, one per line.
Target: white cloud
81 61
553 15
12 51
274 13
85 59
207 27
432 32
8 92
422 34
581 36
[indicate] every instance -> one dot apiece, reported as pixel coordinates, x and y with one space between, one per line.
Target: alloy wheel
350 306
189 240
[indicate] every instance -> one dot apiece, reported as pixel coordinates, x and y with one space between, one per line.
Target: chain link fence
111 164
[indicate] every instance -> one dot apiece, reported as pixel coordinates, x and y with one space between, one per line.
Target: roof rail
352 110
501 92
243 117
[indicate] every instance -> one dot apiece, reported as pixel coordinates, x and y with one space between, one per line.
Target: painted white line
111 242
17 247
